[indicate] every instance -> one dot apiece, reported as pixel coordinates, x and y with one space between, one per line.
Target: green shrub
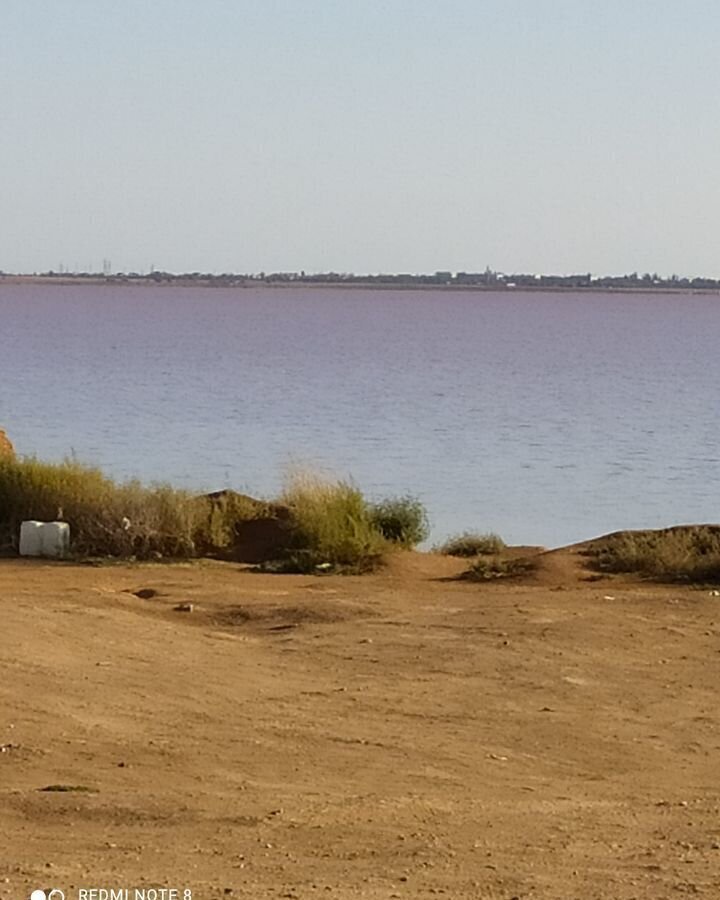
401 520
471 544
330 526
683 553
487 569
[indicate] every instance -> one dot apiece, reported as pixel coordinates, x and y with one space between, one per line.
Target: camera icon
54 894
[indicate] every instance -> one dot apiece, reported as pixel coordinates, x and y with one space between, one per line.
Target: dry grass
332 526
688 553
107 518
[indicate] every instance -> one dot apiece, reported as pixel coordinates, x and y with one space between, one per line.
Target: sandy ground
396 735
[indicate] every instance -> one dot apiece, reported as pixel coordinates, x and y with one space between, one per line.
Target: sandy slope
398 735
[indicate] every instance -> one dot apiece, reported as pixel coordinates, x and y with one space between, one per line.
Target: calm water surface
547 417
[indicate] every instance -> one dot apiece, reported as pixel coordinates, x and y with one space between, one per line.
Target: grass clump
470 544
401 520
488 569
106 519
688 553
332 527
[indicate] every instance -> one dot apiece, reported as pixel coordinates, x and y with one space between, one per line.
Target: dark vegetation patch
68 789
145 593
492 568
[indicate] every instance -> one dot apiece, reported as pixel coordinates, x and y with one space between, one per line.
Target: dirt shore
400 735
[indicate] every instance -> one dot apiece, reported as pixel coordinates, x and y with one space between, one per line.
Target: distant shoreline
306 284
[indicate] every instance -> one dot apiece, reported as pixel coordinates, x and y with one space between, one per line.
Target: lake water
547 417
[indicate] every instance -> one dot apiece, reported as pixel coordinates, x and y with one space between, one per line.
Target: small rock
184 607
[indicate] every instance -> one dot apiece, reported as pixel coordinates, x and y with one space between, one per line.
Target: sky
360 135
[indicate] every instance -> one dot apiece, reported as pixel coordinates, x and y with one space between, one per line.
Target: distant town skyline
545 136
488 279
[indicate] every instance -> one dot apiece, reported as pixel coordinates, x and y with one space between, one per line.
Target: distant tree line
488 279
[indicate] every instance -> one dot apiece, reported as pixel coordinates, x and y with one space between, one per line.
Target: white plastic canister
31 539
50 539
55 539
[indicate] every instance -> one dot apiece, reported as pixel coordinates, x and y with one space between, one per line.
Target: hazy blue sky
359 135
